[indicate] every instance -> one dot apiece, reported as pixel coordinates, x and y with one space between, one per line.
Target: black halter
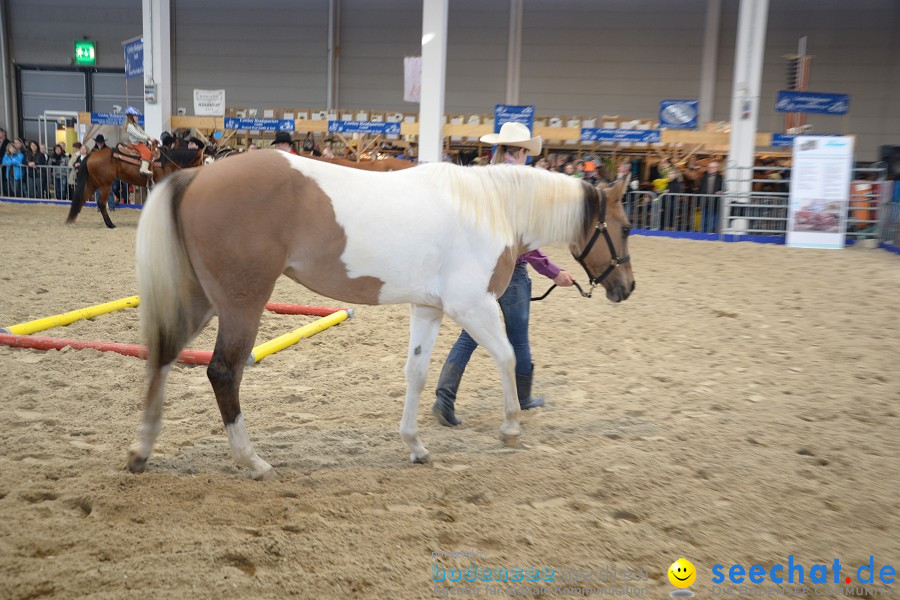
615 260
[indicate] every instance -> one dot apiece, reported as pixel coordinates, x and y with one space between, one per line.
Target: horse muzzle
618 292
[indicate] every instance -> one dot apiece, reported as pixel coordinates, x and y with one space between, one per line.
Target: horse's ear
621 187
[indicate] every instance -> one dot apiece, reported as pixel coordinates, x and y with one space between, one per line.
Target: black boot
523 387
447 386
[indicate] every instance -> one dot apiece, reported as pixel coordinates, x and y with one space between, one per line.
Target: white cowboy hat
515 134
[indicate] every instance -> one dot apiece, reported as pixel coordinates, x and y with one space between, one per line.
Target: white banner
820 191
412 78
209 103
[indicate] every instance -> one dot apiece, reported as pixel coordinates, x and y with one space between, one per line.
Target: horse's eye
626 231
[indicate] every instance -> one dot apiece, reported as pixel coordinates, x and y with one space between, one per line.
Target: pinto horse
100 168
441 237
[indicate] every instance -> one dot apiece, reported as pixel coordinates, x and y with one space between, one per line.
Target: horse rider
139 139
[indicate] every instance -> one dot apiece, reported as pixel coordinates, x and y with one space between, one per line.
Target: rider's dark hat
282 137
100 138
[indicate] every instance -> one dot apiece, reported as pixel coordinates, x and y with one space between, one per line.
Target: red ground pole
190 357
300 309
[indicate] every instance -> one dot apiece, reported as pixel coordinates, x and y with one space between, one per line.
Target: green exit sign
85 52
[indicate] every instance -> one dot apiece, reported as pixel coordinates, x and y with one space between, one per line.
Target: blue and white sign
678 114
595 134
364 127
812 102
117 119
134 58
504 113
242 123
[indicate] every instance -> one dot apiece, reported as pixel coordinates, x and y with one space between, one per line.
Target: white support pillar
157 66
332 90
710 61
514 52
748 62
434 70
6 92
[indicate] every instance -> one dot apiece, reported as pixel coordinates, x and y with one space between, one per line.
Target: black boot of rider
448 384
523 387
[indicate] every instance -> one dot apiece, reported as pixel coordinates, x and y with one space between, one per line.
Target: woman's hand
564 279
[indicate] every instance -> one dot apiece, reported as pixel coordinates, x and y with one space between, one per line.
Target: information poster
820 191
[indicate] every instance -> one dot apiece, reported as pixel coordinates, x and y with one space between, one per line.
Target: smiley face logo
682 573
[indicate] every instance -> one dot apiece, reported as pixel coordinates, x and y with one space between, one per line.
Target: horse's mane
511 201
183 157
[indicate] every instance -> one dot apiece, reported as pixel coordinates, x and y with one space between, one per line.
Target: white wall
270 54
43 32
617 57
856 50
586 57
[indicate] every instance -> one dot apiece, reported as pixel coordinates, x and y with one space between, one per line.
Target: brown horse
440 237
381 165
100 168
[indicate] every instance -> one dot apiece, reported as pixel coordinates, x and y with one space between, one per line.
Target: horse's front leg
424 324
482 321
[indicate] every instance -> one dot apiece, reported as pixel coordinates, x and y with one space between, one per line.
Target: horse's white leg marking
482 320
424 324
243 452
152 423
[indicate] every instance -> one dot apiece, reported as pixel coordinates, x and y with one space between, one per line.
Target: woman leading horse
440 237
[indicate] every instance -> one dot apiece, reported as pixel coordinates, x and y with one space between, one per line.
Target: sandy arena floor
741 407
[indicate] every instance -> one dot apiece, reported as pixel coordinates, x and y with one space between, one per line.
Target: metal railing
763 211
50 182
889 232
696 213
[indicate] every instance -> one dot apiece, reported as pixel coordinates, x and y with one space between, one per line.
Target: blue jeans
515 304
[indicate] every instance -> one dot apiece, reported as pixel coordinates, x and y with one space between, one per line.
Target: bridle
600 229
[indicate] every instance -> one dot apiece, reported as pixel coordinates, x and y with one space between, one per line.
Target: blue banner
594 134
781 140
134 58
364 127
812 102
678 114
112 119
243 123
504 113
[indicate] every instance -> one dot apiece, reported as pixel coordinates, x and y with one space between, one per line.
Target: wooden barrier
711 141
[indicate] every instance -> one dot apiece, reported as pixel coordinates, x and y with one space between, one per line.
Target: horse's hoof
136 463
267 475
111 225
424 459
510 440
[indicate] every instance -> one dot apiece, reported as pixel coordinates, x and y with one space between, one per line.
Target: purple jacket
540 262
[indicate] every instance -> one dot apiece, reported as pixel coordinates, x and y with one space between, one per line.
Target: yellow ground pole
70 317
289 339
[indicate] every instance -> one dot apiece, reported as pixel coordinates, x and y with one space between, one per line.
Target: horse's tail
78 199
165 276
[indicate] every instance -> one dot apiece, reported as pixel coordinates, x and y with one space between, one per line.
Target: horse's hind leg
237 332
158 370
101 202
482 321
424 324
